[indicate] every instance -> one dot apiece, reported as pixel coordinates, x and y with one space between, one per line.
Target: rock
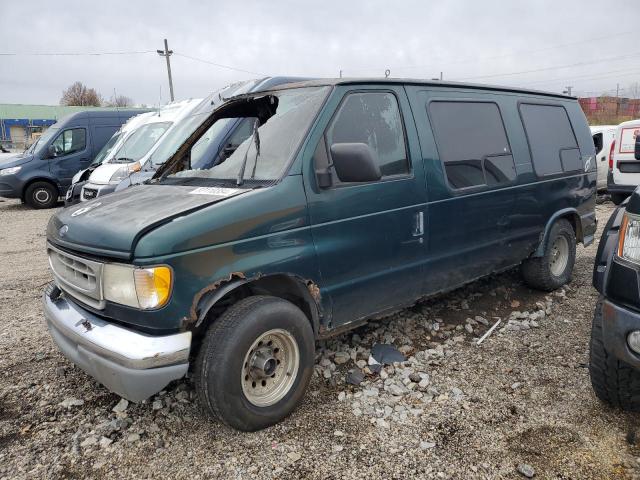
397 390
456 394
415 377
424 383
375 368
105 442
89 441
426 445
361 364
338 433
382 423
133 437
386 354
355 377
337 448
526 470
341 357
71 402
468 328
341 396
294 456
121 406
182 396
157 404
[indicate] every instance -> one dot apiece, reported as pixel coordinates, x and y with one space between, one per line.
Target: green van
348 200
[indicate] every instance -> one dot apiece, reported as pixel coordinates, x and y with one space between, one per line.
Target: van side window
597 142
472 143
373 118
70 141
553 145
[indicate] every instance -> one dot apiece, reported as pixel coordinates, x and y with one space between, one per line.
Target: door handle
418 224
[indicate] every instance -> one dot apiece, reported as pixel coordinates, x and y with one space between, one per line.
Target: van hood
102 174
110 226
14 160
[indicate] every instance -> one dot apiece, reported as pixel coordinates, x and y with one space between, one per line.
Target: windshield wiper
256 141
124 160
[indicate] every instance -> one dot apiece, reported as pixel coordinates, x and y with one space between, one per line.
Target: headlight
144 288
124 172
629 238
10 170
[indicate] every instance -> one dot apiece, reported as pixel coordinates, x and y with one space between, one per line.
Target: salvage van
624 168
351 199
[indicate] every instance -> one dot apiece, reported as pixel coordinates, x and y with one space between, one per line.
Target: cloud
411 38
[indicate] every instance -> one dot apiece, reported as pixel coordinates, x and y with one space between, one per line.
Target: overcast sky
484 41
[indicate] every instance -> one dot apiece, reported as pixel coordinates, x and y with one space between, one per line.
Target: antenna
387 72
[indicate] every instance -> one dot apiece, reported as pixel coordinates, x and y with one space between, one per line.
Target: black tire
220 362
614 382
41 195
539 273
618 198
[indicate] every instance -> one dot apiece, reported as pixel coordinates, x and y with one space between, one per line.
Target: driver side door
71 153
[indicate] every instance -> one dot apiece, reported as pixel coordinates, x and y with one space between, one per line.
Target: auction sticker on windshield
219 191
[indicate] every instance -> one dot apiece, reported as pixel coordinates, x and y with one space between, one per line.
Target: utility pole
167 53
617 98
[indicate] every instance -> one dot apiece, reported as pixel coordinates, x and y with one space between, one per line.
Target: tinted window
549 133
70 141
472 143
597 142
373 118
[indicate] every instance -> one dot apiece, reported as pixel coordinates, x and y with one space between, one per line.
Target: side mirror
53 151
636 150
355 162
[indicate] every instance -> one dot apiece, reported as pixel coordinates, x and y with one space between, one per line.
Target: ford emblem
63 230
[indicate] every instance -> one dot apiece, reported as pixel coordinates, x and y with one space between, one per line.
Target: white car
624 166
136 149
603 139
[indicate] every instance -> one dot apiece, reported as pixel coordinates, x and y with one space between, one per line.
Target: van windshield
44 139
140 142
104 152
265 152
183 130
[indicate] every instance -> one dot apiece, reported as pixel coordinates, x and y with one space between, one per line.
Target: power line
557 67
521 52
71 54
218 64
607 74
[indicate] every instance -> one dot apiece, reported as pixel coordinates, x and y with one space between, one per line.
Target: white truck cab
132 153
624 167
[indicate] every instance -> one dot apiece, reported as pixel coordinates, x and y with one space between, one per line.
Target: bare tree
633 91
120 101
79 94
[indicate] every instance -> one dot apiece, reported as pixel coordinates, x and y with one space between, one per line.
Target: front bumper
617 323
73 194
131 364
10 186
613 187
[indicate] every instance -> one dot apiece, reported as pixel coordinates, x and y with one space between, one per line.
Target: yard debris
489 332
386 354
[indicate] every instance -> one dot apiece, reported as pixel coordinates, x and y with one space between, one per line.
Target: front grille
77 276
89 193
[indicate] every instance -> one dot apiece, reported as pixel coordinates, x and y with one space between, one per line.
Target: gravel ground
519 403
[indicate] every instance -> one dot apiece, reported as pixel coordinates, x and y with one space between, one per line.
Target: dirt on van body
520 403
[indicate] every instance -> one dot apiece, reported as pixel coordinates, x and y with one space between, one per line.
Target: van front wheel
41 195
255 363
555 267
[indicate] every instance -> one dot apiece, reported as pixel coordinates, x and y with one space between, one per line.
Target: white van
136 149
603 138
624 174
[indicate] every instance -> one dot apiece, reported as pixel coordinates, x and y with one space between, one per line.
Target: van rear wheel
41 195
555 267
255 363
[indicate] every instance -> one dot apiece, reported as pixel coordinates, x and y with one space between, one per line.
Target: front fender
606 249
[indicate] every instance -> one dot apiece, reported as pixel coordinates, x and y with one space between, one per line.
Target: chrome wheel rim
42 195
559 256
270 367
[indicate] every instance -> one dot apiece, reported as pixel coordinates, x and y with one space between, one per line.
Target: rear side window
472 143
373 118
597 142
553 145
